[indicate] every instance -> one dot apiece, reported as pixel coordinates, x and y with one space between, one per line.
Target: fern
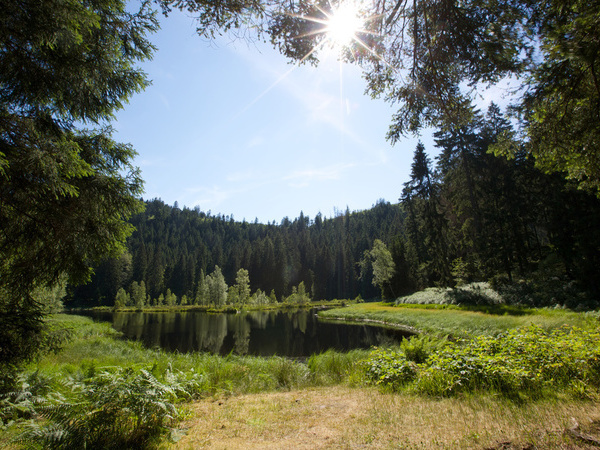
33 390
120 409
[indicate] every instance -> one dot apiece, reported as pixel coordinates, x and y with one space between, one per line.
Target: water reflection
264 333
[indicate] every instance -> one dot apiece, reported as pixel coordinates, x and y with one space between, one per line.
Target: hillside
174 248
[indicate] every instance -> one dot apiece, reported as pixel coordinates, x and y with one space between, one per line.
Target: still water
260 333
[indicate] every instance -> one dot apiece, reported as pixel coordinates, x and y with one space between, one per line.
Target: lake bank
221 309
457 321
242 384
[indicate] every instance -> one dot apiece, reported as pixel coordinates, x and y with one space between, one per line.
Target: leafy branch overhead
432 58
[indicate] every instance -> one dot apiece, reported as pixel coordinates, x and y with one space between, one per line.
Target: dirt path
343 417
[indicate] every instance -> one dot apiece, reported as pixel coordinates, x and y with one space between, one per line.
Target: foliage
299 296
51 297
59 184
242 285
179 247
470 294
66 192
426 243
563 93
478 217
260 298
30 391
122 299
525 361
380 260
123 408
418 348
432 59
388 367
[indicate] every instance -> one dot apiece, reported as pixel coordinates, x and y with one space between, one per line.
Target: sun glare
343 25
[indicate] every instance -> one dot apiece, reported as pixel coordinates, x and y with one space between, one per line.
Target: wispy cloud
255 141
304 178
208 197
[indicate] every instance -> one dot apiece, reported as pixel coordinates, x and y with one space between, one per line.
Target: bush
525 361
470 294
418 348
390 368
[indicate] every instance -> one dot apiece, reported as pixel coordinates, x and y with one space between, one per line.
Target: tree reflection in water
264 333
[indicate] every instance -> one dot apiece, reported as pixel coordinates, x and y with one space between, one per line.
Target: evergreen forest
490 254
469 216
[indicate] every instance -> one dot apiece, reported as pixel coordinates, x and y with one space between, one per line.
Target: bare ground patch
344 417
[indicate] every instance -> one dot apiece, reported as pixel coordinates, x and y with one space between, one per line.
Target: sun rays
343 25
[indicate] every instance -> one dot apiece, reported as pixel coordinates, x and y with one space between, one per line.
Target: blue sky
236 129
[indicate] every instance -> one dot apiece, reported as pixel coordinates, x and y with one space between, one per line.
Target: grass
97 345
97 372
457 321
252 402
346 417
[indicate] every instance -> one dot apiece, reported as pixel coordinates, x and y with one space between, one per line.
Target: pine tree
426 226
65 192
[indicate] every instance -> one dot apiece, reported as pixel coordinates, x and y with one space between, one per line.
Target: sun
342 24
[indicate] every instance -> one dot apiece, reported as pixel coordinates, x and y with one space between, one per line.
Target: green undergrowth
523 363
100 389
93 388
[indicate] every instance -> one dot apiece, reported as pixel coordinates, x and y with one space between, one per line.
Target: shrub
390 368
419 347
524 361
470 294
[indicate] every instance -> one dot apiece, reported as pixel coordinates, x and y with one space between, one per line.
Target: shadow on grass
477 301
498 310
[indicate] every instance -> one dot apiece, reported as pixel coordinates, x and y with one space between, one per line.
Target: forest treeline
472 216
176 249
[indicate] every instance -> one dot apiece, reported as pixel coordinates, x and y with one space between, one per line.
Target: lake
296 333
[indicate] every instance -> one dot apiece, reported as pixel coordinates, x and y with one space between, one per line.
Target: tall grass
97 345
100 389
98 379
332 367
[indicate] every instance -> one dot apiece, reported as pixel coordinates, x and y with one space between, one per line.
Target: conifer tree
65 192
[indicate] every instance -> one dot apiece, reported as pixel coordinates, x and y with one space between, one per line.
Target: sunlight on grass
345 417
453 320
245 402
